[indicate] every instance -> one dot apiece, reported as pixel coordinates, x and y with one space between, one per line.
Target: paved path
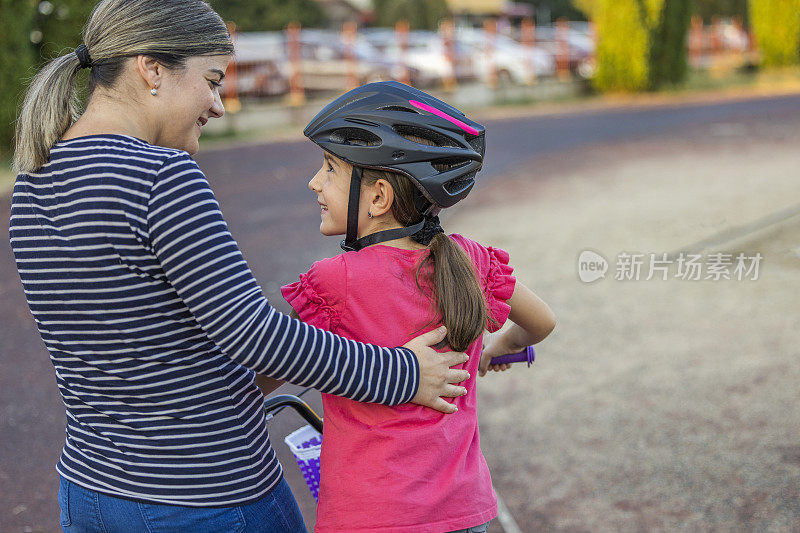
655 405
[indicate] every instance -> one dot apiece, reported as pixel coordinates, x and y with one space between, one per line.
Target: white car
513 62
426 54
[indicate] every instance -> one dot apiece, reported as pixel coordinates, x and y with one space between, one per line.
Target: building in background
474 12
337 12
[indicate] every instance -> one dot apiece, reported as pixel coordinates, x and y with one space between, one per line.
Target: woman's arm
532 321
269 385
204 266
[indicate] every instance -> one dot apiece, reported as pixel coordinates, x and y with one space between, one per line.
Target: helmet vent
459 184
478 144
428 137
355 137
398 108
443 165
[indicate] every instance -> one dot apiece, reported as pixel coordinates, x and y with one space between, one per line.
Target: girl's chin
328 232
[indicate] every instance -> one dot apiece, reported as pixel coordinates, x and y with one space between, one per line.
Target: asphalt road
262 191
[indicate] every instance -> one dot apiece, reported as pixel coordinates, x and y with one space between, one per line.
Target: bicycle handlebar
276 403
527 355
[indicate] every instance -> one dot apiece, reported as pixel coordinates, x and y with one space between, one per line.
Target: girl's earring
369 214
154 91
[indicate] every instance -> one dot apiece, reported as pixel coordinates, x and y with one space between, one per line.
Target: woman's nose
217 109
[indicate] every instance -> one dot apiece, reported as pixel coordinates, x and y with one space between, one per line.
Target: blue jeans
476 529
87 511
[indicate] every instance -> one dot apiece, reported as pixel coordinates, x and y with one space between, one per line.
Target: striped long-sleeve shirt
155 326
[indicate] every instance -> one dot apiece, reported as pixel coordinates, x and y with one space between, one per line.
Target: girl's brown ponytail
459 297
457 292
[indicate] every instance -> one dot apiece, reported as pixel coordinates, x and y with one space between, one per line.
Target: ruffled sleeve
499 287
496 278
318 296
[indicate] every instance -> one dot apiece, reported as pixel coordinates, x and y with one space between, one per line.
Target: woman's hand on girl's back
436 376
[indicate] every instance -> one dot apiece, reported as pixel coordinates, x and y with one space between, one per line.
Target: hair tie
428 231
83 56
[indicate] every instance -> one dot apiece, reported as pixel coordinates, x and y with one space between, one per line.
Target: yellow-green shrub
776 24
623 47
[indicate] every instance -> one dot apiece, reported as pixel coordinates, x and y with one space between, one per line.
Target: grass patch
743 77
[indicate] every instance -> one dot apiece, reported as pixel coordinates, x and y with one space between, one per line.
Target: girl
152 319
393 157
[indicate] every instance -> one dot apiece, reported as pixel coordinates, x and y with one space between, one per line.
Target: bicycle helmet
368 128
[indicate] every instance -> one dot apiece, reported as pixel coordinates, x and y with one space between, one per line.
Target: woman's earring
369 214
154 91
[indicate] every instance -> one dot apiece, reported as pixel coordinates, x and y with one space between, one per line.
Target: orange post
401 31
562 48
231 101
738 26
297 95
752 43
349 30
528 37
696 41
717 43
490 30
448 32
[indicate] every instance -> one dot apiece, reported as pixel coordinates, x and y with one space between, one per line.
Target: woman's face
188 98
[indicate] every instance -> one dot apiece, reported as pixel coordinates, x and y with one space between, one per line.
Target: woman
153 321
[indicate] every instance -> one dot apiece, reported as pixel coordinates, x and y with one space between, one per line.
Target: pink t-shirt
405 468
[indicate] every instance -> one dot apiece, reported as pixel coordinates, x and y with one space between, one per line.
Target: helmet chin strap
352 243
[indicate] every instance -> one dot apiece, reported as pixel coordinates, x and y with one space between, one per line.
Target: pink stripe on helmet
426 107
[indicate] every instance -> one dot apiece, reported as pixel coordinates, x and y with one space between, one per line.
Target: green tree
668 61
420 14
641 43
776 24
269 15
16 63
61 23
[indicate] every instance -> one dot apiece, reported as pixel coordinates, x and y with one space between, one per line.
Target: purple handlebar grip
527 355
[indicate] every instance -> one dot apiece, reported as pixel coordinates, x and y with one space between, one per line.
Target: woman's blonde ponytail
49 108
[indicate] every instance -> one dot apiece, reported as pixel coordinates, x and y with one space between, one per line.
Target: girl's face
332 185
188 98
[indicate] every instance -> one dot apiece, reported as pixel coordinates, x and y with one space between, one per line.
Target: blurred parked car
514 63
263 67
326 65
427 55
259 73
581 48
733 37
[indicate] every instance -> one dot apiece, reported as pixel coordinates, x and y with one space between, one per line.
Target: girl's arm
532 322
